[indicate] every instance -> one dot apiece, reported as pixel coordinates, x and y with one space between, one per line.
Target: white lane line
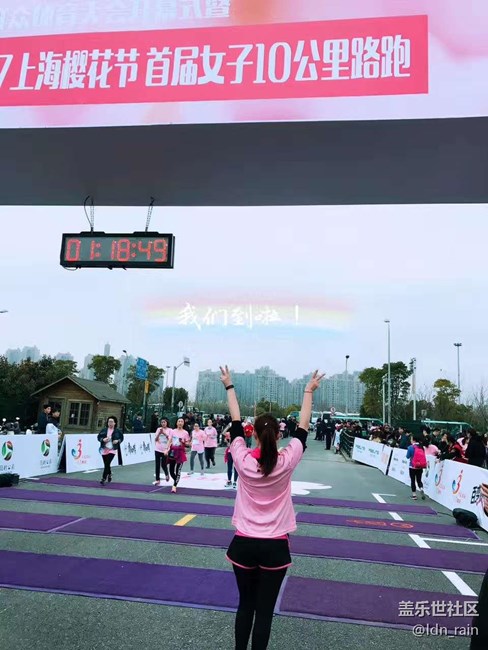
461 586
452 541
379 498
91 471
418 540
395 516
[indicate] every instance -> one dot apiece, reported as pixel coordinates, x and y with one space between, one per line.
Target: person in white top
161 440
198 439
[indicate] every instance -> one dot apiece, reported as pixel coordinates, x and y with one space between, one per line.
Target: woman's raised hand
314 382
225 377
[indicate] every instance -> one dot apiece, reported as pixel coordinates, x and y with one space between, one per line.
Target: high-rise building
31 352
85 372
265 383
106 350
14 356
120 378
64 356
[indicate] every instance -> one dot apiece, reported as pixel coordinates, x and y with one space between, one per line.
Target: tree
181 395
19 381
265 406
372 378
104 368
135 391
291 408
445 400
479 409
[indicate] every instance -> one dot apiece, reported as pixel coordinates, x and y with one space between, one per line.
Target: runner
197 447
210 443
161 440
179 439
263 514
418 462
110 439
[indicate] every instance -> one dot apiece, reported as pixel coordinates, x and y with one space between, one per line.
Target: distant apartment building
264 383
17 356
64 356
106 350
121 376
85 372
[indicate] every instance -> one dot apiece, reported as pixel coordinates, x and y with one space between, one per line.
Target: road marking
379 498
91 471
184 520
461 586
452 541
419 541
395 516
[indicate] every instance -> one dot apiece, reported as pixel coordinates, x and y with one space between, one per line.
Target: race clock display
146 250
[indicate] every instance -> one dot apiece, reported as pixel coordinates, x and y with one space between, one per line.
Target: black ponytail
267 430
420 440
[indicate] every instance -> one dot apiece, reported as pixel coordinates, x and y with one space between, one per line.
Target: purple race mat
230 494
367 603
209 588
226 511
32 521
117 579
387 525
300 545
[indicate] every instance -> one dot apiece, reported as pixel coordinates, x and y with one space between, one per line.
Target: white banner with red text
29 455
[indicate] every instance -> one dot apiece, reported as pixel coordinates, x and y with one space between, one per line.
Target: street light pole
413 366
458 346
383 381
347 387
389 373
186 362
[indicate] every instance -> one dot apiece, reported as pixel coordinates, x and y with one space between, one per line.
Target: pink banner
380 56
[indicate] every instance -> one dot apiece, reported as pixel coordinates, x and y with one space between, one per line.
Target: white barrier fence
371 453
29 455
83 451
137 448
452 484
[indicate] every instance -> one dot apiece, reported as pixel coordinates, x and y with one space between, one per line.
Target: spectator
248 432
476 449
454 450
404 438
429 448
43 419
138 424
154 422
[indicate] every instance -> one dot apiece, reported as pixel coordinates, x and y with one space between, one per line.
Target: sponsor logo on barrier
45 447
360 447
77 453
456 484
144 448
130 449
438 475
7 450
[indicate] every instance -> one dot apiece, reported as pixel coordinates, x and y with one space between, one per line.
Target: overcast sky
346 268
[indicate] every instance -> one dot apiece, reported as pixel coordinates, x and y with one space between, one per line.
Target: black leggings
107 459
175 471
210 456
161 462
416 474
258 593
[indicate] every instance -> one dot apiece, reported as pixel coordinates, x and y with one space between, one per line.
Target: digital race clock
143 250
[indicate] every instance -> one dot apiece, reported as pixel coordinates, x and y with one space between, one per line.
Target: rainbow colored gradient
214 312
